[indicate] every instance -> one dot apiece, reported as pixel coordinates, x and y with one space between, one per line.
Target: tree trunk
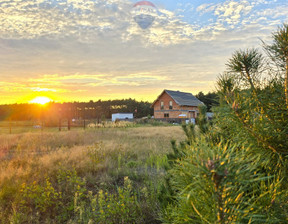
250 80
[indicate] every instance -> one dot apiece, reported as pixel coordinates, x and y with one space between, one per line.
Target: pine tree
278 52
236 170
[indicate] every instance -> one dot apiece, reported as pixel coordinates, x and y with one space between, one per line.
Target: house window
166 115
162 105
170 105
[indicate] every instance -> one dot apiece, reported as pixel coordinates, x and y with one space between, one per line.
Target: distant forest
75 110
98 110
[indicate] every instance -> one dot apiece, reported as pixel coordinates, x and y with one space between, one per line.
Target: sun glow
40 100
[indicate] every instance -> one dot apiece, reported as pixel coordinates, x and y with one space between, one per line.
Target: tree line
98 110
74 110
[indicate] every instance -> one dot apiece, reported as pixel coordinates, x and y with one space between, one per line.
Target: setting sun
40 100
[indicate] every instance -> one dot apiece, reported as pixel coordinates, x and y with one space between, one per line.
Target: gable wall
166 99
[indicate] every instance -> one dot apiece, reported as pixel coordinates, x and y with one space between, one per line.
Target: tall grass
40 172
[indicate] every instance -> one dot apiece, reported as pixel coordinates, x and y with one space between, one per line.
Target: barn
176 106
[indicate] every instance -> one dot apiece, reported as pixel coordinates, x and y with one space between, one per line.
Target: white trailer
122 116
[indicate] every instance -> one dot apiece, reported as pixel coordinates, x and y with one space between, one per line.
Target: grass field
99 175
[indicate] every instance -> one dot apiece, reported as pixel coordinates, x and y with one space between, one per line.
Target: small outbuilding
122 116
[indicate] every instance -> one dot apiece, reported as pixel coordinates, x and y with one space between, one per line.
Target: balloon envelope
144 13
144 21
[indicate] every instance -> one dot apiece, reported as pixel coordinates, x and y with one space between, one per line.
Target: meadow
96 175
232 169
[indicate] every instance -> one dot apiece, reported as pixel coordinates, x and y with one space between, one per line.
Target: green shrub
49 201
39 202
220 184
105 207
69 184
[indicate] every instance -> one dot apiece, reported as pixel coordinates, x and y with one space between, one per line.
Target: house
122 116
176 106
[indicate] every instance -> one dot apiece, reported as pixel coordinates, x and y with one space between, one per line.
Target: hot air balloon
144 13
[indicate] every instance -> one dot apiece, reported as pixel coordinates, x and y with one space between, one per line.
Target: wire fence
16 127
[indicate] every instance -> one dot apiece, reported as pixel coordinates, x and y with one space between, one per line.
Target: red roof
144 3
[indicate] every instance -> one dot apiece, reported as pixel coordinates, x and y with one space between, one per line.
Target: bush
121 206
220 184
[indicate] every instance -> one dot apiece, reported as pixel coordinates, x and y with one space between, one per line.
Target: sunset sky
81 50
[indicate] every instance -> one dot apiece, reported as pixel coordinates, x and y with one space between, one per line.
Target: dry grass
101 156
31 153
147 138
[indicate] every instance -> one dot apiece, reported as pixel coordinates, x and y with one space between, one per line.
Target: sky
81 50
